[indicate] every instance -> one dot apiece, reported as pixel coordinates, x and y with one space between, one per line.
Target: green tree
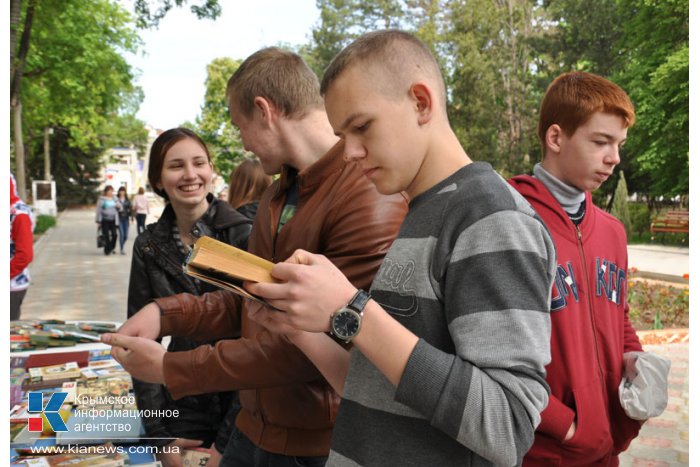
583 35
493 100
18 61
656 75
214 123
77 82
341 21
620 207
150 12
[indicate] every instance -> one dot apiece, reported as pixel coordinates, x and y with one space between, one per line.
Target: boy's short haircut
572 98
279 76
401 56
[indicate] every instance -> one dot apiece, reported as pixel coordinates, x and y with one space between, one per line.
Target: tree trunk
19 151
15 103
15 14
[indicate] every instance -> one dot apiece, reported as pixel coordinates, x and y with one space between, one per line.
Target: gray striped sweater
470 273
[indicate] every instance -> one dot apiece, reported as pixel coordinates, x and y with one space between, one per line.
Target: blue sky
173 69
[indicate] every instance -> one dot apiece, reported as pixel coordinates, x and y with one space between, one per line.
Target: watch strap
359 301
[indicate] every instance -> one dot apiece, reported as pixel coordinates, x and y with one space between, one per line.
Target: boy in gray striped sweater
448 356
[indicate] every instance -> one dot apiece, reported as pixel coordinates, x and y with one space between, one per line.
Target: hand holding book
227 267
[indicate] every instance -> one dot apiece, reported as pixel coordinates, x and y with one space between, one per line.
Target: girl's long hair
247 184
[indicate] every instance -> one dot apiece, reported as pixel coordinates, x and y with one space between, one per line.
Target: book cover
227 267
55 372
47 359
19 413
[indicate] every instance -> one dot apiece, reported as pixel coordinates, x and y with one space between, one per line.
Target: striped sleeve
495 285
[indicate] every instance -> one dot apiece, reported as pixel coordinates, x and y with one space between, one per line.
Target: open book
227 267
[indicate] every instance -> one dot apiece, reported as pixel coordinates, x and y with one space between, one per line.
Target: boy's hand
215 457
630 365
142 358
173 458
145 323
265 317
312 289
572 431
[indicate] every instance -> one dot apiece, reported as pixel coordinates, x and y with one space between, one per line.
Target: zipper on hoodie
591 314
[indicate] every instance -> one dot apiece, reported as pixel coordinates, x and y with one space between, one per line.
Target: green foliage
498 57
657 306
640 218
584 36
74 170
78 82
341 21
149 16
620 207
493 103
76 76
655 72
214 123
44 223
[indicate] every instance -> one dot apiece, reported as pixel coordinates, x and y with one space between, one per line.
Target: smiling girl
180 170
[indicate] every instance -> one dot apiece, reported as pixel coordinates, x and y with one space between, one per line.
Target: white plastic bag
646 395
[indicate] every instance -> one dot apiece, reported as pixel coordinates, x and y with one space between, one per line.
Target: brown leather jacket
287 406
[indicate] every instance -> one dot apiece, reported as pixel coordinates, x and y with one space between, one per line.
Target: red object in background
57 358
36 424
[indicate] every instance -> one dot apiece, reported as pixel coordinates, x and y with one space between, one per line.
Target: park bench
670 221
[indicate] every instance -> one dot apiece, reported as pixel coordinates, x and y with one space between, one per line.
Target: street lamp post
47 159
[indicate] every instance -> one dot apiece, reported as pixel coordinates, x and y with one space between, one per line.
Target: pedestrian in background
180 171
21 249
247 184
140 210
124 217
106 215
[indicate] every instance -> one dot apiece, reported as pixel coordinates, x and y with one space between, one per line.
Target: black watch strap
359 301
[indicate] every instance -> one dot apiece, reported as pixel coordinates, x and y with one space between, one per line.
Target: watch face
346 323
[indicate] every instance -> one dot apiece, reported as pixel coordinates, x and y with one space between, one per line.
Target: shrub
44 223
640 218
620 208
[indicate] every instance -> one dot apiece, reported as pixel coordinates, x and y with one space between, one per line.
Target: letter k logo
36 405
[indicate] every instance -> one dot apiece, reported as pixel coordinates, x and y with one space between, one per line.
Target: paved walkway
663 441
659 259
73 279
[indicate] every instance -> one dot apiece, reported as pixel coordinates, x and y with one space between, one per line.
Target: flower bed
656 305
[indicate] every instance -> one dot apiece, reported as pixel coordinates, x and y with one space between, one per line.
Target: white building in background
126 167
122 167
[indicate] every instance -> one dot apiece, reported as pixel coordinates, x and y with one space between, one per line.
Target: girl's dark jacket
156 271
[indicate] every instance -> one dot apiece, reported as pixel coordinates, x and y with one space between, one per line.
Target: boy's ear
552 138
423 102
264 108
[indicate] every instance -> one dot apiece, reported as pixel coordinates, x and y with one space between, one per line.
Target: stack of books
42 334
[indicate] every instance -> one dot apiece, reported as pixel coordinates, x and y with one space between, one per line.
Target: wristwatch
346 322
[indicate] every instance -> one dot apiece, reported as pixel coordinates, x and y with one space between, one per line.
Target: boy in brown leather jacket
320 204
447 366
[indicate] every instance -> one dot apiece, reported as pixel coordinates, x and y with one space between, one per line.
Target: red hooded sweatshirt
590 334
21 240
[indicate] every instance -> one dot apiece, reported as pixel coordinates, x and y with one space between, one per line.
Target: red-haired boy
583 124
